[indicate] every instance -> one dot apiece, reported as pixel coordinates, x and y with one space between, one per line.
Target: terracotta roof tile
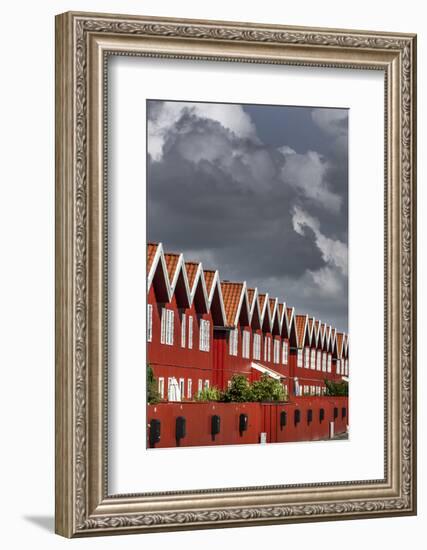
339 342
251 295
261 299
310 324
209 277
280 307
171 263
231 293
151 252
191 269
300 328
272 302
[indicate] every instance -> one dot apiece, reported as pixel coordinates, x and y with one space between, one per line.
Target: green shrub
267 389
153 395
239 390
336 388
208 394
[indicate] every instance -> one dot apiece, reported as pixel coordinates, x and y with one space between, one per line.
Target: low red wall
262 417
198 423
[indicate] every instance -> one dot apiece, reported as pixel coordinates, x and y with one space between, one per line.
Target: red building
201 331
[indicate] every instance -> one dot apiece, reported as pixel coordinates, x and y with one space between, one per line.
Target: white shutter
190 332
329 362
313 359
170 327
183 329
307 358
299 358
149 322
163 327
319 360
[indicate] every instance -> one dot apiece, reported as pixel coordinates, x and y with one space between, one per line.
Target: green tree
267 389
153 395
336 388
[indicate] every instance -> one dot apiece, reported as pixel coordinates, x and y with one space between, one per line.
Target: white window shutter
190 332
183 329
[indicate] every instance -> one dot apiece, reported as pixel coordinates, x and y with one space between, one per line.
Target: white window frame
167 326
299 358
190 332
313 359
319 360
338 366
267 348
285 352
276 351
149 322
183 329
189 388
329 368
200 385
306 357
204 333
162 387
257 346
233 341
181 383
206 384
246 344
324 358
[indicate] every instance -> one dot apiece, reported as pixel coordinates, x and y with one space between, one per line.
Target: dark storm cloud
268 212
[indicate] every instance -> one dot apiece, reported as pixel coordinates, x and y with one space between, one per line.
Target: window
267 348
169 385
246 350
285 348
166 335
313 359
346 367
276 351
182 387
319 360
206 384
307 358
162 387
329 362
190 332
183 327
189 388
233 341
200 385
257 346
299 358
318 390
324 362
338 366
204 335
149 322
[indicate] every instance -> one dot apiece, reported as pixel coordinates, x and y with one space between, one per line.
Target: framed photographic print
235 274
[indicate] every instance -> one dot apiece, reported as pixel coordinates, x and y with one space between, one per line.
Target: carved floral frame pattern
75 514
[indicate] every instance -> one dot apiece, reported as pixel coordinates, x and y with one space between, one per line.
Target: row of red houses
202 330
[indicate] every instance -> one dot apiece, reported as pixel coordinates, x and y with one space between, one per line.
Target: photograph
247 273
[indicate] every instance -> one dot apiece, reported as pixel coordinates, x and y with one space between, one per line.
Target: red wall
262 417
198 423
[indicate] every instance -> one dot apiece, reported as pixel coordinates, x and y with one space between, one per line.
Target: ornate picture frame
83 44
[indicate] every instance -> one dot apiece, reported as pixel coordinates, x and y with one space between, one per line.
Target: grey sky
258 192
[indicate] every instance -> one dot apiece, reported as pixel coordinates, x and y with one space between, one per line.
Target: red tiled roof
209 277
289 313
251 294
272 304
151 252
310 324
261 299
339 342
231 293
300 328
191 269
280 307
171 263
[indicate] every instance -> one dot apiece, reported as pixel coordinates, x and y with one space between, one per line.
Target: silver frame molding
83 43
